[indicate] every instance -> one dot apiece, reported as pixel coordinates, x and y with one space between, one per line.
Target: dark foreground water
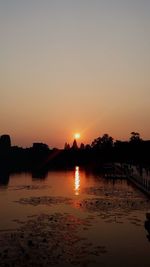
72 218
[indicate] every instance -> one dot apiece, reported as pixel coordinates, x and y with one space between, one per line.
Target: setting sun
77 135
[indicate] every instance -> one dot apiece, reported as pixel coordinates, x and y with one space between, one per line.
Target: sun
77 135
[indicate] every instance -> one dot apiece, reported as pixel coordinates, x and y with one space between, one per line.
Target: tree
87 147
135 137
103 142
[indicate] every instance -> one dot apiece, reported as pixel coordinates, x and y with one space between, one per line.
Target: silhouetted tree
135 137
87 147
40 147
103 142
39 157
96 143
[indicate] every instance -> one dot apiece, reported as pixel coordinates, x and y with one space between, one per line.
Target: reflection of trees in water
5 175
4 178
147 225
40 174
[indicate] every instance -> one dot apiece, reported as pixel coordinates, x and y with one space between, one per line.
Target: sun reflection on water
77 181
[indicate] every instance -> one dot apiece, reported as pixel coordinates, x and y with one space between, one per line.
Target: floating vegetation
108 205
29 187
114 192
115 204
44 200
47 240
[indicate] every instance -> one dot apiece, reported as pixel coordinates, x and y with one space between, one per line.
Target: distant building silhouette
74 145
82 146
40 147
66 146
5 143
102 150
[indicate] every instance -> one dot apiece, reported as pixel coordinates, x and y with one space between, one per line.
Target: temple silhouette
102 150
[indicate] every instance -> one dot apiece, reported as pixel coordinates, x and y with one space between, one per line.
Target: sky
70 66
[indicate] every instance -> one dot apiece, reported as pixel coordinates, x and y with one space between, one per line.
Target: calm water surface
120 230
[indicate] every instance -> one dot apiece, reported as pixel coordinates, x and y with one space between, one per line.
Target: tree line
102 149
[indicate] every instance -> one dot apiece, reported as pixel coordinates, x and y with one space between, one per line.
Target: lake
73 217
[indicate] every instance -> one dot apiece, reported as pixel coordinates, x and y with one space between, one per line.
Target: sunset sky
70 66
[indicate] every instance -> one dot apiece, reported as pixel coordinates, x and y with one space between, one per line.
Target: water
113 213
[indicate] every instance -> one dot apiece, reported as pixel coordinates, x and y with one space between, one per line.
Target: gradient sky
74 66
